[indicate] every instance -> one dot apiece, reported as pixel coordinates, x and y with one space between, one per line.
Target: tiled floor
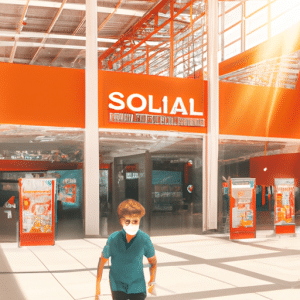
189 267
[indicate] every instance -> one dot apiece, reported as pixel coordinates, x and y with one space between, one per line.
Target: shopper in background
127 249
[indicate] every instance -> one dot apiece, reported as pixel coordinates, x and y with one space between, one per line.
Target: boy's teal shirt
126 271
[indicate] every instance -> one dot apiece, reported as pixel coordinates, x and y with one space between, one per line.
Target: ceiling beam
155 10
74 6
30 34
78 28
37 45
19 29
100 27
48 31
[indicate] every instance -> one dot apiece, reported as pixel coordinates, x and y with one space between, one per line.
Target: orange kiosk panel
284 208
37 212
242 208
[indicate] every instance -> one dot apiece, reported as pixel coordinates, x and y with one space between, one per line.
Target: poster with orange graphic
284 207
242 208
37 212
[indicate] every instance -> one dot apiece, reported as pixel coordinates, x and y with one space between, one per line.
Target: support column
172 38
210 207
91 140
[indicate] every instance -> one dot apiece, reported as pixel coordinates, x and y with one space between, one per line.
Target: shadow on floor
9 288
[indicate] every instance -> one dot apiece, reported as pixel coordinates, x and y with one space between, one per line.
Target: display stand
242 208
284 208
37 212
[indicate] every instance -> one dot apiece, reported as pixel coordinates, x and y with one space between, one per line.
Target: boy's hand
98 292
151 288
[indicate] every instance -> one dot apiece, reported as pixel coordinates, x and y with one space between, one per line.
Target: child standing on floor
127 249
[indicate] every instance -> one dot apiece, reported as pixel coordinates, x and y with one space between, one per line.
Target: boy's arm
153 264
102 262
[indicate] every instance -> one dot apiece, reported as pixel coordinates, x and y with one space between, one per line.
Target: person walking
126 248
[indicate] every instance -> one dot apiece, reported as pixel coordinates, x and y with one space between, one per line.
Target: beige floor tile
177 238
56 259
81 284
239 297
41 287
232 278
88 257
98 242
284 267
211 249
177 280
22 260
289 294
75 244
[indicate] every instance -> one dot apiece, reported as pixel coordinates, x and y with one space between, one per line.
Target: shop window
257 37
257 20
264 161
286 20
253 6
232 34
232 50
233 17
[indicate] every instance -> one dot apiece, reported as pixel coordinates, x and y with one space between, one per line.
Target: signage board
37 212
152 102
242 208
284 208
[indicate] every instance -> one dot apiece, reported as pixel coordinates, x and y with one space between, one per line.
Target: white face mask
131 229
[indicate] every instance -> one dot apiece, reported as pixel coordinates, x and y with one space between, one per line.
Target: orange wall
278 166
37 95
259 111
47 96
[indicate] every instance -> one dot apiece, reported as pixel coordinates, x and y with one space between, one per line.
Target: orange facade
259 111
37 95
41 96
151 102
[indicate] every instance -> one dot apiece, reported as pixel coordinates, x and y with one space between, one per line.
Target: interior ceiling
52 32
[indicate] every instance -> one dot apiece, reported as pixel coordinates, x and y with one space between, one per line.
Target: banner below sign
154 119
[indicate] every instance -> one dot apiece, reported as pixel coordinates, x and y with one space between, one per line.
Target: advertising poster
242 207
69 187
284 207
37 211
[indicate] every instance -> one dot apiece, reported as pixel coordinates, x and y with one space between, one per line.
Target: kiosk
37 212
284 208
242 208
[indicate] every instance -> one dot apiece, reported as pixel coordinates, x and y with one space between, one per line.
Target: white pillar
91 141
210 203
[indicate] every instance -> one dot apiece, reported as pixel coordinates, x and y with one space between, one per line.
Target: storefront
165 175
150 149
153 138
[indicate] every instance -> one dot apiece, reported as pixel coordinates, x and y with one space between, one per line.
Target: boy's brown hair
132 208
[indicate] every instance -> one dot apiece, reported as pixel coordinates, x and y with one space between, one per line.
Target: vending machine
284 208
242 208
37 212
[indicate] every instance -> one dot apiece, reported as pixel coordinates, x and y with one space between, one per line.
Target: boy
126 249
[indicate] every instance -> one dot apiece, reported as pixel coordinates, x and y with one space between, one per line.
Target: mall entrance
167 182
